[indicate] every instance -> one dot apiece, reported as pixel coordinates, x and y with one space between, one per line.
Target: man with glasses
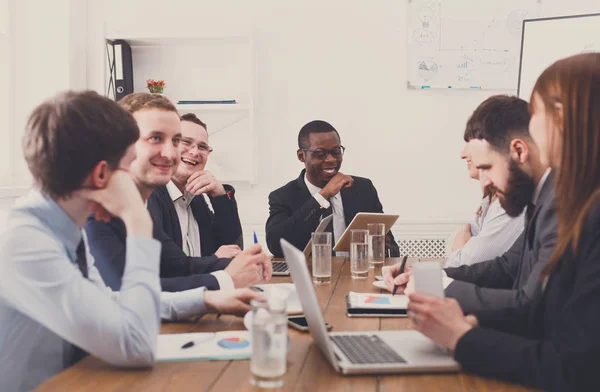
198 212
296 209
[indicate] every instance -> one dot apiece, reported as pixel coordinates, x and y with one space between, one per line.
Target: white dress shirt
190 231
493 233
337 207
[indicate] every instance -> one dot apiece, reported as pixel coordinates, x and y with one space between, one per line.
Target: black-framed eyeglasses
202 147
322 153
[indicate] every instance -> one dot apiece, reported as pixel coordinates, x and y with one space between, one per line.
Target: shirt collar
174 192
539 187
47 210
311 188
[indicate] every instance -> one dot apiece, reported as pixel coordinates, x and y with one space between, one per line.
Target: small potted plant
155 86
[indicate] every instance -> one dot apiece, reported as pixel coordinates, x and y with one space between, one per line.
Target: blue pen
261 268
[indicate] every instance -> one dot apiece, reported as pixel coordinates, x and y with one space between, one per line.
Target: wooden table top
307 370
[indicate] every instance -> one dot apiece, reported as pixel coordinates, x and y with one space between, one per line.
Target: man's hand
441 320
403 281
204 182
227 251
120 198
236 301
334 185
245 268
462 237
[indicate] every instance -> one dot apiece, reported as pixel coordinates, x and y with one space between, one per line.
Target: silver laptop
280 268
370 352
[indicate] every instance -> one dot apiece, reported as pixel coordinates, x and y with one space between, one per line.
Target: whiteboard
466 43
550 39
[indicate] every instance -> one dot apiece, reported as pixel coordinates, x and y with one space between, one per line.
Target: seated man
54 307
509 161
296 209
157 156
194 208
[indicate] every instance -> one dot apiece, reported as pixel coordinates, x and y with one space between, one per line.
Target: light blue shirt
46 305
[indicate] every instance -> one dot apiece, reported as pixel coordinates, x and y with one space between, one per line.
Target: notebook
209 346
376 305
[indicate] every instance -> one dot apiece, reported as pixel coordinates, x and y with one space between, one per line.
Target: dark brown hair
191 117
573 82
68 135
141 101
498 120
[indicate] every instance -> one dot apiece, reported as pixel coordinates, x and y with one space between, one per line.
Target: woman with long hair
552 343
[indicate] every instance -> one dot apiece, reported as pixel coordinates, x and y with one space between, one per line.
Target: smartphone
299 323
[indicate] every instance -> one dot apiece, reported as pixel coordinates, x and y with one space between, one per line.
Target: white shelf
198 108
137 40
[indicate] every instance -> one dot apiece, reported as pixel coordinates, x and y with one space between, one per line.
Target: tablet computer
360 221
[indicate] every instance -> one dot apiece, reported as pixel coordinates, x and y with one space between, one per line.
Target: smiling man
296 209
198 212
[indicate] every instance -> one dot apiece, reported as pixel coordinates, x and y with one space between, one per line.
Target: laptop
369 352
280 268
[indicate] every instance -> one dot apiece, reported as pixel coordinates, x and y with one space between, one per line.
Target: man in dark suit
508 160
296 209
157 157
195 197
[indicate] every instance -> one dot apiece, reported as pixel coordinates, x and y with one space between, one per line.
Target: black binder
120 66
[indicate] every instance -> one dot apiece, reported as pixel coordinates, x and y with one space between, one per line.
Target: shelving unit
206 66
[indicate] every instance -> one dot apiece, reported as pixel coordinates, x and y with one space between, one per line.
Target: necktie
529 212
80 259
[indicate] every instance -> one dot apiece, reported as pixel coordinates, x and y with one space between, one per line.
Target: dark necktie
72 353
529 212
80 259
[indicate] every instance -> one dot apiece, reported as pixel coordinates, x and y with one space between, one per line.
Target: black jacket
552 343
294 213
178 272
222 227
512 279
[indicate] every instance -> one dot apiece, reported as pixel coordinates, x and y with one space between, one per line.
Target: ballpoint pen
400 271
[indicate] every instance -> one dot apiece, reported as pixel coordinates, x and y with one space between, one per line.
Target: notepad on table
218 346
376 305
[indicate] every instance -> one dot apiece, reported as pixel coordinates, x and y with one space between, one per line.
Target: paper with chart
466 43
209 346
377 301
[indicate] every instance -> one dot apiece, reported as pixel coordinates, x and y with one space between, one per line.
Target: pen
261 268
401 270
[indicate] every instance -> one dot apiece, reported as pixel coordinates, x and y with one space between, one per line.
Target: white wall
342 61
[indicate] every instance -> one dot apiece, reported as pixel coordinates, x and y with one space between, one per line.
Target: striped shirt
493 233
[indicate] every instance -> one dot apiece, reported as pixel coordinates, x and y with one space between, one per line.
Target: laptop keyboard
366 349
280 266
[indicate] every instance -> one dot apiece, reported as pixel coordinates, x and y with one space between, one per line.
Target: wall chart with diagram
466 43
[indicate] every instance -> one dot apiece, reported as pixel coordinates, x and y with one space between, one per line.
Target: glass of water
321 257
376 244
359 253
269 340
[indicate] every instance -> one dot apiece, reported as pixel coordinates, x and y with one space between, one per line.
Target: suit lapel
349 201
542 199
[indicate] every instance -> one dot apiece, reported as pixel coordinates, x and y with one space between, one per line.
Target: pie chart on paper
233 343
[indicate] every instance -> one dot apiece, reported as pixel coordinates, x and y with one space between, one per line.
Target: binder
120 67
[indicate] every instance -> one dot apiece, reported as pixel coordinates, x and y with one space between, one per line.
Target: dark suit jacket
294 213
553 342
222 227
107 242
512 279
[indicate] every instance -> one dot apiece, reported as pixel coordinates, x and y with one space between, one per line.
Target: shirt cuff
224 279
321 200
182 304
446 280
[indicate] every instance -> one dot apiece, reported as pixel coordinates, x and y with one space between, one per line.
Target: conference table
307 369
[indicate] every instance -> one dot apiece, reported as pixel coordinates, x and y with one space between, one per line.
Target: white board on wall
550 39
466 43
